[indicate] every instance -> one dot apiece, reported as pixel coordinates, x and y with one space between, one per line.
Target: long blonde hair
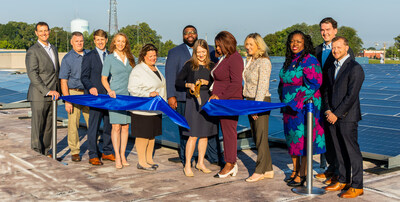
262 47
126 50
195 62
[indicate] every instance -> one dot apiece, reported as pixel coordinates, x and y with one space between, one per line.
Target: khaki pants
73 123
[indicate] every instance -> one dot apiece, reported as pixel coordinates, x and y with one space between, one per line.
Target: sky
376 22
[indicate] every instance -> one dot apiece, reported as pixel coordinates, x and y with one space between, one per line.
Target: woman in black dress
195 76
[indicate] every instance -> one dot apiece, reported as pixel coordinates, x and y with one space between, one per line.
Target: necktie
337 67
104 56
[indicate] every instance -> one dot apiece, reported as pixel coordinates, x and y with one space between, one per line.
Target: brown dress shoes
109 157
336 187
352 193
324 176
95 162
76 158
332 180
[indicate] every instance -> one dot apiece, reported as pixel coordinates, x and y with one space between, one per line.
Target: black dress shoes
297 184
154 165
144 168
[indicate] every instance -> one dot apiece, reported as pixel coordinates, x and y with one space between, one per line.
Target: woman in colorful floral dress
300 80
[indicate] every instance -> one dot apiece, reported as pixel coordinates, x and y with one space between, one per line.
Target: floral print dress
297 85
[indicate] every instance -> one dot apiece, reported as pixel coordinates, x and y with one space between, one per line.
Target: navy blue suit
91 78
177 57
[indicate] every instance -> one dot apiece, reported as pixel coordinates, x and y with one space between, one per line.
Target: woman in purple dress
300 80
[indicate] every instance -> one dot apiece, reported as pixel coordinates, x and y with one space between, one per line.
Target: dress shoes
50 156
255 179
144 168
76 158
187 174
154 165
336 187
288 179
332 180
109 157
204 170
269 174
324 176
95 162
293 183
232 172
352 193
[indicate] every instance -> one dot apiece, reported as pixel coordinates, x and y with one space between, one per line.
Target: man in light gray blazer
42 67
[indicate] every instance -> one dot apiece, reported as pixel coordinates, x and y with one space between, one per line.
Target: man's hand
331 117
172 102
54 95
254 116
93 91
69 107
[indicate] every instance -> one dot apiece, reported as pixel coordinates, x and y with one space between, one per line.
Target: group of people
194 74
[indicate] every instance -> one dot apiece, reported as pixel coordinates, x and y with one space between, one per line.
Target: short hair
146 48
226 42
346 42
41 24
262 48
76 34
329 20
100 33
188 26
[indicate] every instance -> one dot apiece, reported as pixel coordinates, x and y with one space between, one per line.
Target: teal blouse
118 72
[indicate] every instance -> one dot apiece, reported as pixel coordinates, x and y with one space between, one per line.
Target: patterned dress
297 85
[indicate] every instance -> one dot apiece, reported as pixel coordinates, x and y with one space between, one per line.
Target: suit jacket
341 95
41 72
177 57
228 77
91 72
143 81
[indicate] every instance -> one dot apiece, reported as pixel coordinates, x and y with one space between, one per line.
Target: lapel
186 52
341 70
44 52
53 48
152 74
318 52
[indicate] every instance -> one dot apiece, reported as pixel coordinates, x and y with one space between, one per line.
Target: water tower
79 25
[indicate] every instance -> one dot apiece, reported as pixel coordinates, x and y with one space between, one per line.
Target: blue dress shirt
326 50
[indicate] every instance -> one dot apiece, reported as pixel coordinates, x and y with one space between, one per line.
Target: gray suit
43 75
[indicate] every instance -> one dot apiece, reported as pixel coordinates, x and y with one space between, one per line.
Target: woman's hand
203 82
191 86
112 94
213 97
153 94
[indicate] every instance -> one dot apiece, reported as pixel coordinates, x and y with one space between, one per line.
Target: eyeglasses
191 32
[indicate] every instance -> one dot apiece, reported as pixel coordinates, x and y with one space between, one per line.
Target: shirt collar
340 62
325 46
44 46
190 49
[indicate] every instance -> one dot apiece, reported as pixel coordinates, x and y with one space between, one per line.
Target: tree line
20 35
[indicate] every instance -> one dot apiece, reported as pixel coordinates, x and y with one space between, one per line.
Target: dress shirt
49 51
326 50
190 50
338 64
101 54
71 68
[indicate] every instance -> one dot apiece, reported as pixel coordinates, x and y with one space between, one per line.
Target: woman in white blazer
146 80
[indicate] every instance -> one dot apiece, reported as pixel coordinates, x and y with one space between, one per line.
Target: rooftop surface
28 176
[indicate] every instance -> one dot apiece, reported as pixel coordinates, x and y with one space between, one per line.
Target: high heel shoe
126 164
290 178
118 166
188 174
297 184
254 179
154 165
204 170
269 174
232 172
145 168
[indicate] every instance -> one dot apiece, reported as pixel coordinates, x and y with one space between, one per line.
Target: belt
76 89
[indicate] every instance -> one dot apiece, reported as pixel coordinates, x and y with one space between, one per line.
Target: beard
188 43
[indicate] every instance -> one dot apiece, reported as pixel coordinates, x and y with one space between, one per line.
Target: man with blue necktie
92 65
343 112
323 52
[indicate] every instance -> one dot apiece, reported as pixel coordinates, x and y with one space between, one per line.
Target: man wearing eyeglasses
177 57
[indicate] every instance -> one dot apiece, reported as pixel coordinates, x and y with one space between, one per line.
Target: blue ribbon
309 107
238 107
124 102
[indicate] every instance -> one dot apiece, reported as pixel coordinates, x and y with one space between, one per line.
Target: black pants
330 154
95 117
344 136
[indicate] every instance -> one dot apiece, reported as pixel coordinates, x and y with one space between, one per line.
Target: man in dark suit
342 109
177 57
42 67
92 65
328 28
